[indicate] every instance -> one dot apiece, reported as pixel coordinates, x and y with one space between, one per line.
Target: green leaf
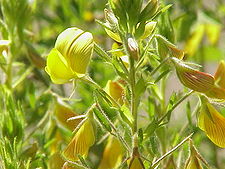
162 75
151 128
188 112
126 114
140 87
103 121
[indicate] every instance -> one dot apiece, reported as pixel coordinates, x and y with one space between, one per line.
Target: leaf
126 114
140 87
103 121
188 112
162 75
151 128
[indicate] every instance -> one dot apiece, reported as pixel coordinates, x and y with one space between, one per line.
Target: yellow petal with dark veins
213 124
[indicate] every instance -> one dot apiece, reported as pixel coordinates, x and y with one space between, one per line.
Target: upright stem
133 95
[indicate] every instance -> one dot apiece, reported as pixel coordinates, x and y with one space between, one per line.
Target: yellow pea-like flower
112 155
192 78
81 142
194 40
212 123
71 55
218 91
63 113
116 91
213 32
56 161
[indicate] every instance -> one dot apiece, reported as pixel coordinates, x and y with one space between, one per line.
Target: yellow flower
212 31
116 91
81 142
112 155
194 40
212 123
71 55
63 113
220 74
218 91
56 161
192 78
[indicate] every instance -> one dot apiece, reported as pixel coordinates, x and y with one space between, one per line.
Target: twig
171 151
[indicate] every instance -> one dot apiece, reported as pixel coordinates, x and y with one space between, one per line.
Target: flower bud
4 44
110 17
71 55
192 78
112 155
149 11
212 123
149 28
133 48
165 47
81 142
114 35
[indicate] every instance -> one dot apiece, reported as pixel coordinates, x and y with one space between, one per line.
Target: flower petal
80 53
81 142
220 75
192 78
213 123
57 68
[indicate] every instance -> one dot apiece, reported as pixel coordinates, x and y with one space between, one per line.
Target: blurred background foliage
30 134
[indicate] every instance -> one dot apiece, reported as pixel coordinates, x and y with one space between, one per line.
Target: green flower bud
133 48
149 11
71 55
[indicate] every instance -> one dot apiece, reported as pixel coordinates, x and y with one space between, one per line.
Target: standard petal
192 78
57 68
66 39
80 53
213 123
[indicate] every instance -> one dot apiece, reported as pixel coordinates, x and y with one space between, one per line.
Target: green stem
159 66
114 128
171 151
175 105
133 95
88 79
